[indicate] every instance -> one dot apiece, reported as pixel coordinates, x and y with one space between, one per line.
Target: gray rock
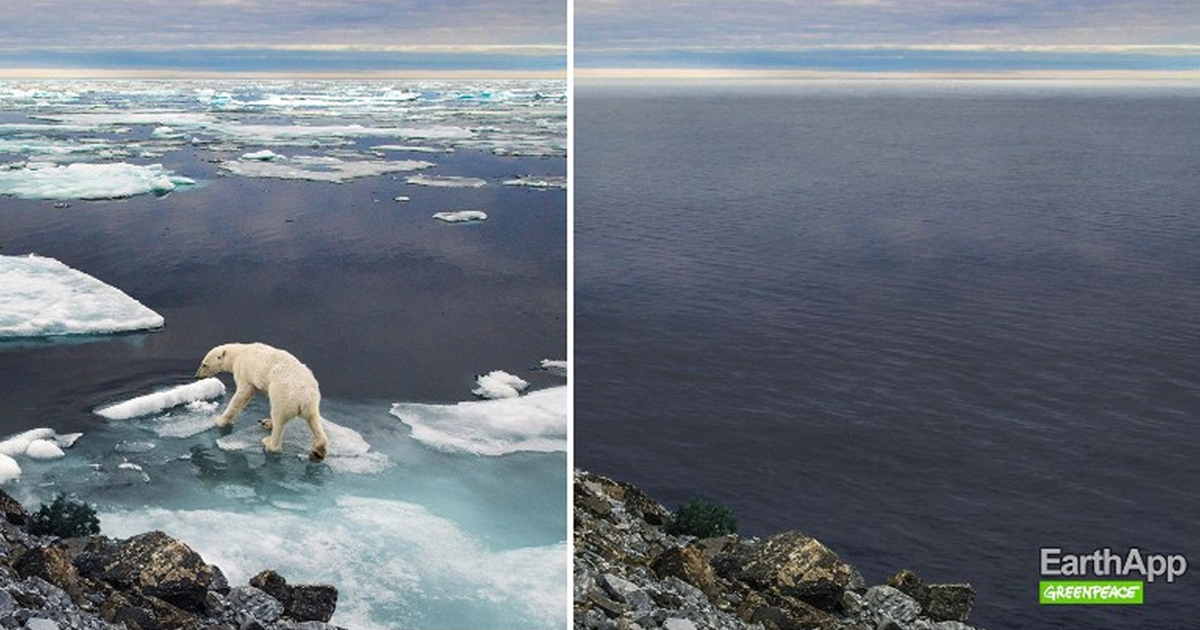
675 623
41 624
256 604
950 602
890 603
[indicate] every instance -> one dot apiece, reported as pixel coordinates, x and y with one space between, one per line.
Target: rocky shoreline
148 582
631 575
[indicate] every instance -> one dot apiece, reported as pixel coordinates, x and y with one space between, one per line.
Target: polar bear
288 384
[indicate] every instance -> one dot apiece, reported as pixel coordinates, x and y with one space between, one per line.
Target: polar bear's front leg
241 398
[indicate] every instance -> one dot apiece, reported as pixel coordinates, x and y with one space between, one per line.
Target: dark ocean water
381 301
935 327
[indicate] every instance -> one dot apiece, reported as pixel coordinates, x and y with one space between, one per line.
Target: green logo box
1090 592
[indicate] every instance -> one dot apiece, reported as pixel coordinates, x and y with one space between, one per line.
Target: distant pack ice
42 297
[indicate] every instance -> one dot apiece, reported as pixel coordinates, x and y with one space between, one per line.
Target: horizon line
676 73
7 74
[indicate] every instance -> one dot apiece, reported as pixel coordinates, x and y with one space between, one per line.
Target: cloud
615 32
131 23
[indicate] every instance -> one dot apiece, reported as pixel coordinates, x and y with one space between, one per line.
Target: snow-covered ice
163 399
318 168
541 183
534 422
44 449
43 297
446 181
499 384
461 216
46 180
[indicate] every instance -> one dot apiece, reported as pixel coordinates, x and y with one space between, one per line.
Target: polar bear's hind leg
278 419
320 445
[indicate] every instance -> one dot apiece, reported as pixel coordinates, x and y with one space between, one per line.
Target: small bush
64 518
703 519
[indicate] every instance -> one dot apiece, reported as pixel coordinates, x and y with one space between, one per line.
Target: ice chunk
543 183
42 296
265 155
447 181
319 168
461 216
45 180
555 367
406 148
499 384
17 444
164 399
348 451
43 449
67 440
534 422
171 118
9 469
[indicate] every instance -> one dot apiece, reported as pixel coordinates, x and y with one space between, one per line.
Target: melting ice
413 527
46 180
43 297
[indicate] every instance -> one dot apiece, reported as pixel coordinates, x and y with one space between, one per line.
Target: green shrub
703 519
64 518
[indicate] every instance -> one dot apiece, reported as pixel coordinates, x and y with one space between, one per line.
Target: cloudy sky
842 36
297 36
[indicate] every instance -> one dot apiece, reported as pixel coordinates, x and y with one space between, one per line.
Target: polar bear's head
215 362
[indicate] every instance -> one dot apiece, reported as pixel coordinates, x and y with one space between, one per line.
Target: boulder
950 602
155 564
912 585
302 602
687 564
51 564
12 510
794 565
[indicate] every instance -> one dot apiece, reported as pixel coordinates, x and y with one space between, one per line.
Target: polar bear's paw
317 454
271 448
223 421
265 423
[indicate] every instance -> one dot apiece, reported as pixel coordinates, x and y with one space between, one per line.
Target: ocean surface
277 213
936 326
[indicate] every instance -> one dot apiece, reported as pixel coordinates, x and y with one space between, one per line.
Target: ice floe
9 468
446 181
43 449
541 183
163 399
406 148
534 422
461 216
318 168
499 384
265 155
555 367
43 297
46 180
42 443
348 451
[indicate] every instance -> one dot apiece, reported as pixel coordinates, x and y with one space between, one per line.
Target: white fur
289 385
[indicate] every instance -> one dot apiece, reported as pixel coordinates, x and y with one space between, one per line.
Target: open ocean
425 515
936 326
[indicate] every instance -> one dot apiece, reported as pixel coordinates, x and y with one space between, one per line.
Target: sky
840 37
303 37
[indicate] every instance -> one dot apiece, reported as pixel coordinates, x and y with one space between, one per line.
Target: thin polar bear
289 385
